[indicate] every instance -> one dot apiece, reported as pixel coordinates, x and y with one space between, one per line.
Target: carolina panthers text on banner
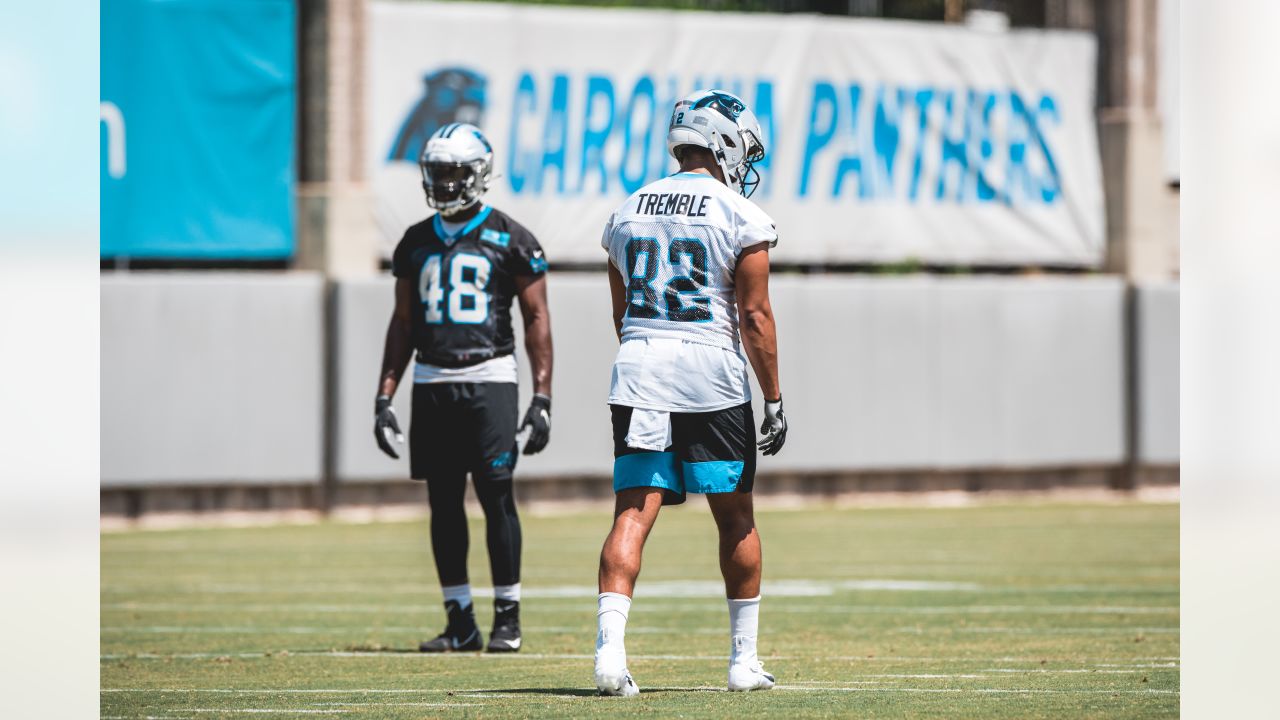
886 141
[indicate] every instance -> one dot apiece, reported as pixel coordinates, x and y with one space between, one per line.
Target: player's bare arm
755 315
395 357
618 293
760 340
532 293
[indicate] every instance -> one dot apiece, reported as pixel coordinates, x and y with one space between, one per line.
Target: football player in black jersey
457 273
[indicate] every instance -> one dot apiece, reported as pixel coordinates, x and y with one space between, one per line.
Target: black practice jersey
464 285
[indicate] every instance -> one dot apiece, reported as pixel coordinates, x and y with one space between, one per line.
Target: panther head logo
449 95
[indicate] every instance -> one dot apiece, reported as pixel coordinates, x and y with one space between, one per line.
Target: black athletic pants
459 429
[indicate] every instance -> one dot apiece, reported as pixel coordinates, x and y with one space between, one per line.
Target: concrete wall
929 372
219 377
911 373
1156 364
211 378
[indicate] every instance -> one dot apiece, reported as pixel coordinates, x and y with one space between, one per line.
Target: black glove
385 425
774 427
538 420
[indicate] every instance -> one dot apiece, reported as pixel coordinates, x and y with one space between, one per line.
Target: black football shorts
460 428
710 452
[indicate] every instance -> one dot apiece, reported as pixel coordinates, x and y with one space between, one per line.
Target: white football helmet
457 165
720 122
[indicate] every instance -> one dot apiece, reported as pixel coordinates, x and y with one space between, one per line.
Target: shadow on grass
585 692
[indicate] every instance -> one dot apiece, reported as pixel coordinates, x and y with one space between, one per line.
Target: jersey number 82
682 296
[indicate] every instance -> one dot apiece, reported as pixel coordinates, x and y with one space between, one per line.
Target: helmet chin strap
455 209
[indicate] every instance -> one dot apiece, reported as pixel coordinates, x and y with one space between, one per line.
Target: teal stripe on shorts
647 469
716 476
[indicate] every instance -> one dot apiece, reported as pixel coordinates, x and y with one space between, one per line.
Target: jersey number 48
464 300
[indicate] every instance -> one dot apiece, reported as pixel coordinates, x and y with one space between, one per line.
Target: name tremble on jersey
672 204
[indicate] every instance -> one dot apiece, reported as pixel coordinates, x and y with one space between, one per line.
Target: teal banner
197 129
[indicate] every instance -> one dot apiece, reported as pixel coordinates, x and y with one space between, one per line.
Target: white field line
142 718
1057 631
265 711
432 593
1002 691
409 654
366 630
926 676
481 692
405 704
1067 671
773 608
715 588
1168 663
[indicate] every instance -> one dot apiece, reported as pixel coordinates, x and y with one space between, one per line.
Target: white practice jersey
676 242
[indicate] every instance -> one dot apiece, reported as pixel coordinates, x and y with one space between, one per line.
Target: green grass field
1009 611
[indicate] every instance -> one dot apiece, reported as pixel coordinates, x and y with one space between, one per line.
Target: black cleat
505 637
460 635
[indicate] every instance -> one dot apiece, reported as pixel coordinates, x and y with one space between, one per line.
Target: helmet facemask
743 176
452 187
749 177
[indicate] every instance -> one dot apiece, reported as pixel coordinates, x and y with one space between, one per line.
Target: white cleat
617 684
744 677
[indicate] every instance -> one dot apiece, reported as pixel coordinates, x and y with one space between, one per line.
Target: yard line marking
481 692
925 676
1011 691
1066 671
264 711
851 609
253 630
1099 662
1066 631
407 653
649 589
406 704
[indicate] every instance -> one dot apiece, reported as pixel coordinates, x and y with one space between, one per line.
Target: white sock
744 624
460 594
611 621
510 593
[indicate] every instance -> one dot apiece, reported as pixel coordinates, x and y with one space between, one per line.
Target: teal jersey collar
475 222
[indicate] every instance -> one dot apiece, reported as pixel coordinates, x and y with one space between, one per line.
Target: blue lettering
642 91
1051 186
596 133
1017 177
888 114
764 113
555 133
924 98
526 101
824 96
852 163
953 152
982 128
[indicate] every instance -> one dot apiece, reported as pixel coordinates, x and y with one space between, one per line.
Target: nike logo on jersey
672 204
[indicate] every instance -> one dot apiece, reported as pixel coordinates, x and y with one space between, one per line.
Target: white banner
887 141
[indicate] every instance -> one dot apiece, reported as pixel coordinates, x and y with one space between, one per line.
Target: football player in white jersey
689 278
